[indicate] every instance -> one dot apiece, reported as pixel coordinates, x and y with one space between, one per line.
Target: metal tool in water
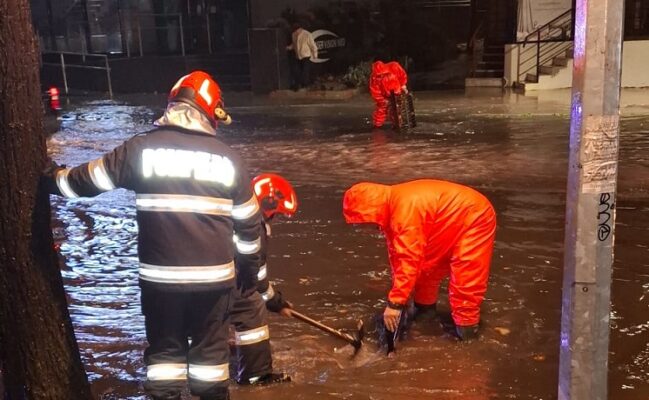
355 338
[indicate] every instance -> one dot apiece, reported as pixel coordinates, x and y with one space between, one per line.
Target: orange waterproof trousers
433 229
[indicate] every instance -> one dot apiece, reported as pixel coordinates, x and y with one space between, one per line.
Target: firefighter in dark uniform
193 194
248 314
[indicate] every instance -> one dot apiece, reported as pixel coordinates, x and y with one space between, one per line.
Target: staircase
556 75
492 64
494 20
488 71
545 57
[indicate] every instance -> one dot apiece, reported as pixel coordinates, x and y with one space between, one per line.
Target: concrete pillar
591 200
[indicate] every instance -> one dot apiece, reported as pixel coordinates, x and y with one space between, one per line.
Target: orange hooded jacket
431 227
386 78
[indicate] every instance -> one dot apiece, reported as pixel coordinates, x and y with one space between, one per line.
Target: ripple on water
339 275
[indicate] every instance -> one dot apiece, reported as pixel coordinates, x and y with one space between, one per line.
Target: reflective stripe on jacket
192 194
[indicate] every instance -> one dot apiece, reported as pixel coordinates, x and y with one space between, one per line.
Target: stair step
497 70
493 82
492 58
559 28
489 73
495 50
526 86
490 65
560 62
549 69
531 78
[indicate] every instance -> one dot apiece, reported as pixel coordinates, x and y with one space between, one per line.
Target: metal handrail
62 64
548 24
541 55
542 58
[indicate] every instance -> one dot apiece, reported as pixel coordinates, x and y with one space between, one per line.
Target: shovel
391 338
354 339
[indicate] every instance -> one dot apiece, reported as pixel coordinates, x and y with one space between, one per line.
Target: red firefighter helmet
275 195
202 92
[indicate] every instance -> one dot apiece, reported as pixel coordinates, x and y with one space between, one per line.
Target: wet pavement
512 148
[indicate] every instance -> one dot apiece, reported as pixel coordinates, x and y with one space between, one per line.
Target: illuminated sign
326 42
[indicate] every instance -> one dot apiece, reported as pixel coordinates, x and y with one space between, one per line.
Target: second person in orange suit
433 229
385 79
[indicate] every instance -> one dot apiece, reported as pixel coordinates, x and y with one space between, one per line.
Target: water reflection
337 275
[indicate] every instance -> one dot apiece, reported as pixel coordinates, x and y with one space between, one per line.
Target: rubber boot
268 379
467 333
223 395
227 397
215 398
425 311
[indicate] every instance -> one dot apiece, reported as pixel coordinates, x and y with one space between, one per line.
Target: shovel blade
358 335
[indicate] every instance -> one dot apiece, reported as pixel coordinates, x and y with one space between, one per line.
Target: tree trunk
39 353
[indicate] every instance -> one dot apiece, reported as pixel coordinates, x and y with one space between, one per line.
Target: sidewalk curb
315 94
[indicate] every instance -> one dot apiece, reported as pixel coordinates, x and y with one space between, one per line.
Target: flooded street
512 149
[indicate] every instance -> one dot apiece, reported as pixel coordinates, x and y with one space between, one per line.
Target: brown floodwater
512 149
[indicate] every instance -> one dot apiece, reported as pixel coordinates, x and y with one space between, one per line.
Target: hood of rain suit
385 79
379 68
367 203
185 116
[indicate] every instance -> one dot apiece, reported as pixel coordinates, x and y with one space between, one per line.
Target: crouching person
385 79
433 229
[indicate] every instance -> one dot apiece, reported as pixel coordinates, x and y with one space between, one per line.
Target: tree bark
39 353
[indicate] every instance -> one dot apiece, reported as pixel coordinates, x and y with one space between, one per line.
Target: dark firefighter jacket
192 193
273 297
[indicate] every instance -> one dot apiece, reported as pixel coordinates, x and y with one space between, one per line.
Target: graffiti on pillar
604 217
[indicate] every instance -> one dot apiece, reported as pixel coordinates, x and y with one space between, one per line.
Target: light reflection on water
339 275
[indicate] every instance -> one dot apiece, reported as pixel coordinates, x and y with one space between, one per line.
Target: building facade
433 37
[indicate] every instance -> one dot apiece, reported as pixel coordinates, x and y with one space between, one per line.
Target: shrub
358 75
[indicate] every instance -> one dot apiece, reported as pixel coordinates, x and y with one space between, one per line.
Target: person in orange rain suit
433 228
385 79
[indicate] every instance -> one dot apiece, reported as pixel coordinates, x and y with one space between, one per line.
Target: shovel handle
393 337
323 327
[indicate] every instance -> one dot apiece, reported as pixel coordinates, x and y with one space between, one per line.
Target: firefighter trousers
248 315
171 318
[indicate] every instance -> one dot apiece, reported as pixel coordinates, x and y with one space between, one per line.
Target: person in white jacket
306 51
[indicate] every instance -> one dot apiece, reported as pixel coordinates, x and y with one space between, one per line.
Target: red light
55 104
